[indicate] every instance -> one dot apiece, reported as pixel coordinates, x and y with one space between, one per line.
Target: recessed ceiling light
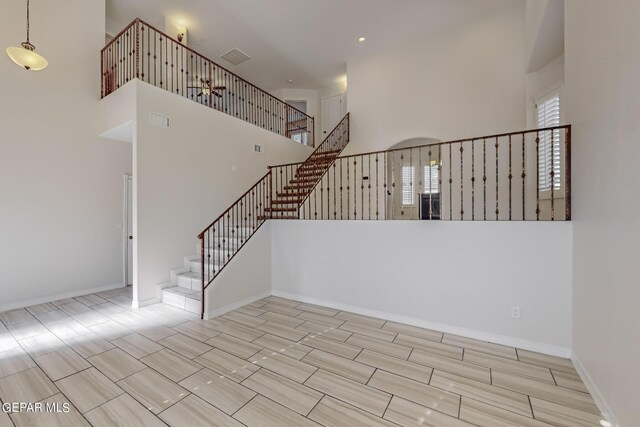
361 39
290 81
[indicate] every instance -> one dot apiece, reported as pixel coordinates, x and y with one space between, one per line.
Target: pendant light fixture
26 56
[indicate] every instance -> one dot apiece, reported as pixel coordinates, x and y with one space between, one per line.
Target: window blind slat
549 146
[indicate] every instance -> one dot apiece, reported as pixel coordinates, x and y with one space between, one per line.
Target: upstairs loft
141 51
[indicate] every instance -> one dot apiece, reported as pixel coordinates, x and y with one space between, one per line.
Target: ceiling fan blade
219 95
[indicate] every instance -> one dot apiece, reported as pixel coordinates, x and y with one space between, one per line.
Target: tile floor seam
130 323
61 392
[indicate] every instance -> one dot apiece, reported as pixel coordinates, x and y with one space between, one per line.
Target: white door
129 231
331 113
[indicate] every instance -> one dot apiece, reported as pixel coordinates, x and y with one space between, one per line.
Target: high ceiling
308 41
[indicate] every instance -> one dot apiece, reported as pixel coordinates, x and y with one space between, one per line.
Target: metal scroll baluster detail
497 180
484 179
473 181
430 186
461 182
537 176
524 177
510 179
450 186
552 175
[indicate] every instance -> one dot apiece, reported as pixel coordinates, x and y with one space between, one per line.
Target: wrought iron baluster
450 185
461 182
377 189
341 187
510 179
497 179
524 176
567 173
552 175
537 176
334 192
369 182
484 179
430 186
473 180
355 190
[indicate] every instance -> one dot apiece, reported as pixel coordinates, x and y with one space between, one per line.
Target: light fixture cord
27 21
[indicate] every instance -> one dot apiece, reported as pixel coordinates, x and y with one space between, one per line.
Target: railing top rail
457 141
232 205
138 20
113 40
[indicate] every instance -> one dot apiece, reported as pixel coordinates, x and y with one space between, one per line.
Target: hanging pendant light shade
26 56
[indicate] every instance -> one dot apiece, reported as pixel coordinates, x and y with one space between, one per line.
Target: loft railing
142 51
221 240
522 176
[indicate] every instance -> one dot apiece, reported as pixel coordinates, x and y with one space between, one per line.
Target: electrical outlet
515 312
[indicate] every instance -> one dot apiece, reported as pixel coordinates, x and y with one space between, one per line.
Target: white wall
459 277
468 81
544 24
245 279
61 187
603 93
184 177
541 82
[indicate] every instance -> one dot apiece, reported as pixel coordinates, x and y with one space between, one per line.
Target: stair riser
303 181
294 202
188 283
281 217
286 195
181 302
195 266
281 210
297 187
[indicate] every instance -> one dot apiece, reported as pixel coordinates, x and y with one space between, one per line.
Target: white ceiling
309 41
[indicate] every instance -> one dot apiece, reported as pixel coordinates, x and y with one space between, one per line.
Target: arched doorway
413 174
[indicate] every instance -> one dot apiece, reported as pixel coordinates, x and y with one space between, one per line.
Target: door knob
130 237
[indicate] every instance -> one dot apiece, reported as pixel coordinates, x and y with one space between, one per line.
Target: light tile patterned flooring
275 363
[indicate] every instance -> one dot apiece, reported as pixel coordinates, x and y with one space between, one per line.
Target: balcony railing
523 176
146 53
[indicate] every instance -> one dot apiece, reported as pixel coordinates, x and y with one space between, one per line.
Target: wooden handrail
435 144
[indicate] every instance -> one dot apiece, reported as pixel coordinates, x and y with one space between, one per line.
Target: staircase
286 203
277 195
184 291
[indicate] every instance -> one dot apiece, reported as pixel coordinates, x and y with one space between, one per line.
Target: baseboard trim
549 349
56 297
230 307
595 392
150 301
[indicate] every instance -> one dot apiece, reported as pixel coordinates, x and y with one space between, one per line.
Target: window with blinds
431 179
407 185
548 110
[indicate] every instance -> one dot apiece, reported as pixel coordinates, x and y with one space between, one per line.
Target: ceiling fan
206 89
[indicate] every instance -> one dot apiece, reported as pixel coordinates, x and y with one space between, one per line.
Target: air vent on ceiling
236 56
